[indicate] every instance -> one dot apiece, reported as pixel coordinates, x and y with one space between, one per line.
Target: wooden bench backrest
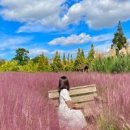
79 94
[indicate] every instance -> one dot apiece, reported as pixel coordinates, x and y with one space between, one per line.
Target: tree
80 60
90 57
67 62
9 66
2 61
71 59
56 64
42 62
21 56
82 54
64 59
68 58
119 40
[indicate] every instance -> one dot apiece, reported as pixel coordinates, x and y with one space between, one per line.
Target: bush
9 66
29 67
112 64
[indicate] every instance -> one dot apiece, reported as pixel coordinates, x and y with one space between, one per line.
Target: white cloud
105 47
128 40
59 51
37 51
80 39
13 42
9 44
98 13
3 54
43 12
50 53
52 15
72 39
102 38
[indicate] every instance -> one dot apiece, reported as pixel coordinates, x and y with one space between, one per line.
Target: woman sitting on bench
70 114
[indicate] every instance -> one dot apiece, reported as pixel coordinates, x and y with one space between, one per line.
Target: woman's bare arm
72 105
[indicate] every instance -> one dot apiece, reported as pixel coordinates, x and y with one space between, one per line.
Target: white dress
69 119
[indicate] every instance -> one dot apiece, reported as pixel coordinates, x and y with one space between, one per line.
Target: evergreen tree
21 56
64 59
80 60
2 61
57 65
90 56
119 40
71 59
68 58
82 54
42 62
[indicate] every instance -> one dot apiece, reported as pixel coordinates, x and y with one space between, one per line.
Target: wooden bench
80 94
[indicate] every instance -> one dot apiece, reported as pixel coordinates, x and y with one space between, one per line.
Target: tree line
22 62
41 63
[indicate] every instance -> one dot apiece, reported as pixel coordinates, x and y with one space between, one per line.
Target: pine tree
64 59
82 53
119 40
90 56
71 59
2 61
68 58
42 62
80 60
57 65
69 63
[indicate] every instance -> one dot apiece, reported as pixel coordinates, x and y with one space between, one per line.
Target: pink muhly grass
25 105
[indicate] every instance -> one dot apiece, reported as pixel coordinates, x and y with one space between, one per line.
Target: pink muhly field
24 104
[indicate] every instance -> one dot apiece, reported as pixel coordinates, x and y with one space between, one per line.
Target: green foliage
90 57
29 67
64 61
21 56
68 67
2 61
71 60
9 66
67 63
122 64
119 40
112 64
80 60
56 65
68 57
42 62
107 121
107 125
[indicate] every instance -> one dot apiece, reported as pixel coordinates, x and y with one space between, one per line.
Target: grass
25 106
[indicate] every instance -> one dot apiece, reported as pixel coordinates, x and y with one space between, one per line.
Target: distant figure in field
70 114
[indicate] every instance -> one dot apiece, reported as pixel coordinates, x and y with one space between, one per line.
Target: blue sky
47 26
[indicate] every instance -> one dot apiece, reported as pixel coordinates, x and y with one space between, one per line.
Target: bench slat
74 91
78 87
84 98
79 99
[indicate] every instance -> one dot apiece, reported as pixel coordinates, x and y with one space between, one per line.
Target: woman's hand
72 105
77 106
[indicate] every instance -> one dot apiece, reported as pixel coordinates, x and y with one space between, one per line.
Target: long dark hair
63 83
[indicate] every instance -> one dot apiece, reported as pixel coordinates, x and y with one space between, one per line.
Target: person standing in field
70 114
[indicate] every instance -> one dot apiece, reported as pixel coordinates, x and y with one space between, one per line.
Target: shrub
9 66
112 64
